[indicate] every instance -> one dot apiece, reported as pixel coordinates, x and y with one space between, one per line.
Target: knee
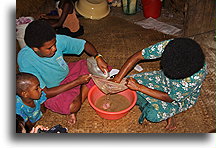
75 106
148 112
153 116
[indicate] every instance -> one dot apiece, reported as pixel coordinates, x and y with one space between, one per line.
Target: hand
102 65
35 129
116 79
132 84
83 79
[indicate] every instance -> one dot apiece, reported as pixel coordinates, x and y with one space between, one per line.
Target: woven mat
117 39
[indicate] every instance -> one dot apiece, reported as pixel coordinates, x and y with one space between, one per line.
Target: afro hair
182 57
38 32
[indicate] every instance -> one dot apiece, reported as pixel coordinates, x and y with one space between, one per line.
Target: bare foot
72 119
171 124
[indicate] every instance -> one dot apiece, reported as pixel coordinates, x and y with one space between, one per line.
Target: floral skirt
154 109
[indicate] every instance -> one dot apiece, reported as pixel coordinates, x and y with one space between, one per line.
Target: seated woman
173 89
66 22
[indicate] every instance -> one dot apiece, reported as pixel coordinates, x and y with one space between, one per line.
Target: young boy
66 85
29 97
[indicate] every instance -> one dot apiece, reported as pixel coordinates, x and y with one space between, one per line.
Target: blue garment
29 113
50 71
184 92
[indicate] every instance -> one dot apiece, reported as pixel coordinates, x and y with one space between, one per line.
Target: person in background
66 85
66 22
29 97
20 126
173 89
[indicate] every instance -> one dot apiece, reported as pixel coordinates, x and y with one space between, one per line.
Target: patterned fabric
29 113
184 92
155 51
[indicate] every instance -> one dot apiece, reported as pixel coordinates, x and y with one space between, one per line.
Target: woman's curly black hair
182 57
38 32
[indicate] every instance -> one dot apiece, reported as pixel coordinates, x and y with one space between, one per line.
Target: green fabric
184 92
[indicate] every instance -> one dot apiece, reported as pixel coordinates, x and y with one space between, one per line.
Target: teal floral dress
184 92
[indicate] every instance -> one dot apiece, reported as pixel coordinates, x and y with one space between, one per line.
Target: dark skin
29 95
134 85
48 50
67 7
129 64
51 92
29 125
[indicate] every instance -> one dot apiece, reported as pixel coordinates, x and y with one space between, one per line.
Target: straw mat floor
117 39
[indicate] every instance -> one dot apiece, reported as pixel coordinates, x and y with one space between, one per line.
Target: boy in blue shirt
66 85
29 97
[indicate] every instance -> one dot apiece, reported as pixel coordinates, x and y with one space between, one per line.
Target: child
29 97
66 85
174 88
66 22
20 126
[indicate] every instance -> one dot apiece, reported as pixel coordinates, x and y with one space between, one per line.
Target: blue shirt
26 112
52 70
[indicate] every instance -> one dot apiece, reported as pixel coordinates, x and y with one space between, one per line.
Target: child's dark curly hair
37 33
23 81
182 57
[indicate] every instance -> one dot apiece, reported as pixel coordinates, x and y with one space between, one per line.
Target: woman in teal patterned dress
173 89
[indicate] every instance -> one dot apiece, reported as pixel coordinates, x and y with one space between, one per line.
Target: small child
29 97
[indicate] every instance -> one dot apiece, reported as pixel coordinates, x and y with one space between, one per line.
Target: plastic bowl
92 9
95 93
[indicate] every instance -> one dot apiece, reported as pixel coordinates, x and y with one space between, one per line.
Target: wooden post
199 17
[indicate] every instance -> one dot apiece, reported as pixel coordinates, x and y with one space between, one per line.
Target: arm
47 17
91 50
51 92
58 21
151 52
132 84
128 65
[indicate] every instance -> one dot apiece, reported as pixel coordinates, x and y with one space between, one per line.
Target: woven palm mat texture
117 39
